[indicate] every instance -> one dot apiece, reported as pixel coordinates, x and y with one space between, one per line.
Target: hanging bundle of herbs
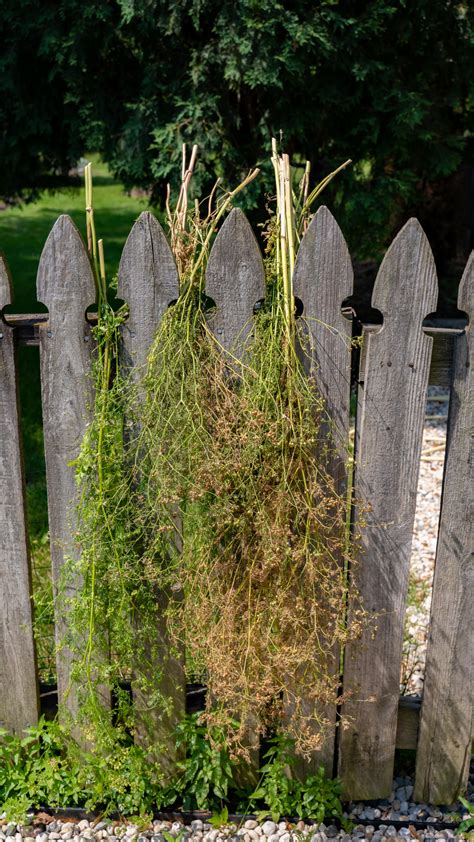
206 499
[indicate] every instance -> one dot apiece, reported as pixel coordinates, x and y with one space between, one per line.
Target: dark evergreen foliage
386 82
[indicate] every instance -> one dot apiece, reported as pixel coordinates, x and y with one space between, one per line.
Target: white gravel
250 830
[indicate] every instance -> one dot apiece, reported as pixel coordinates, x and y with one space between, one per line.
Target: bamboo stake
90 227
289 218
283 242
103 282
276 169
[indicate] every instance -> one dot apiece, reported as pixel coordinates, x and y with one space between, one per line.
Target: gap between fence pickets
19 690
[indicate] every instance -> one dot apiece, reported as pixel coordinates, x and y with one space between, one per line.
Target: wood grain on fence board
235 280
387 464
323 278
148 282
18 681
66 286
444 744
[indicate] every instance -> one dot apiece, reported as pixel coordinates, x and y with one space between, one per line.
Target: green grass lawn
23 232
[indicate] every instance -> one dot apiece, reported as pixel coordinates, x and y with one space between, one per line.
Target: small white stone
282 826
250 824
83 825
269 828
285 837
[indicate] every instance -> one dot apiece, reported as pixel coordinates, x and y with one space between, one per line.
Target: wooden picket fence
396 368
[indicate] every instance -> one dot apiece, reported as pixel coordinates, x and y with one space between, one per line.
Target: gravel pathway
44 828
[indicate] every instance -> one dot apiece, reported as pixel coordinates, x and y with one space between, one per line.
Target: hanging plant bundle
213 504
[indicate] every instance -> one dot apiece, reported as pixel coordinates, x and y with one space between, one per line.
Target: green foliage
23 232
383 82
221 818
282 794
465 827
206 775
44 768
32 771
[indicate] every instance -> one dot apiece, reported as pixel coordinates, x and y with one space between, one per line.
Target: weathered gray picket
444 743
395 368
323 279
148 282
66 286
19 689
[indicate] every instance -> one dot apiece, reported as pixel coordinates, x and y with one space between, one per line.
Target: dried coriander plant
216 494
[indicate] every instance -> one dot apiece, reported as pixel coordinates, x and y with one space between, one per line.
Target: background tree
385 82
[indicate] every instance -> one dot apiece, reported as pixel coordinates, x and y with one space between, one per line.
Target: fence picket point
444 742
18 680
235 280
396 371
